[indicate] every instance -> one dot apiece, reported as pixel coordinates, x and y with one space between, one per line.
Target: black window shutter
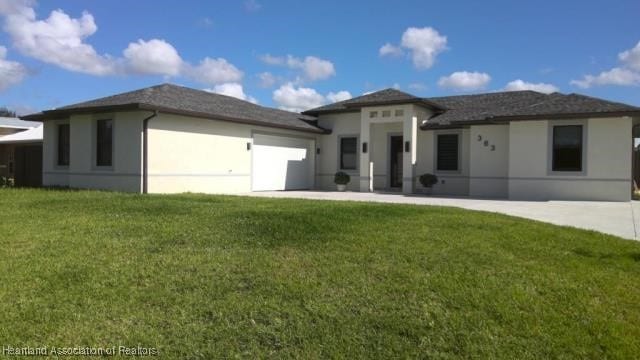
447 152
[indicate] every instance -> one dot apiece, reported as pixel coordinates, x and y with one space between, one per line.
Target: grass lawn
221 276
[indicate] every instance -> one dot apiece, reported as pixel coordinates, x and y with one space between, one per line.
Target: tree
5 112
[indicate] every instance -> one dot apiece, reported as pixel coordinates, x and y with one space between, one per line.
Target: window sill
567 173
445 172
103 168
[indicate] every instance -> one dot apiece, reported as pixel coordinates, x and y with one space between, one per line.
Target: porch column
409 136
366 177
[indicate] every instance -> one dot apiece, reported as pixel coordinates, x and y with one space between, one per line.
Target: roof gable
382 97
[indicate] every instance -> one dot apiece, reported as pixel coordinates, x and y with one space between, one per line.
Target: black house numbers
486 143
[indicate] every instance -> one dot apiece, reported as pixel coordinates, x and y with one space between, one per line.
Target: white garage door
282 163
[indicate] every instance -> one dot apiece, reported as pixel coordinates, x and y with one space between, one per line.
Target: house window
373 114
386 113
399 112
447 152
567 148
348 153
63 144
104 148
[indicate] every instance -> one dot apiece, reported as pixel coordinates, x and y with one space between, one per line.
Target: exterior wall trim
585 146
98 173
198 175
358 150
94 142
57 145
435 151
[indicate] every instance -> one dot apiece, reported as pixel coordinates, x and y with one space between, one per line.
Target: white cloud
57 40
232 89
11 72
313 68
61 40
205 22
615 76
417 86
15 6
626 75
465 81
153 57
272 60
290 98
631 58
339 96
267 79
297 99
517 85
252 5
424 45
390 50
215 71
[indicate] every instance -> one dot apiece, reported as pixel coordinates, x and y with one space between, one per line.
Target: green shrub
342 178
6 182
428 180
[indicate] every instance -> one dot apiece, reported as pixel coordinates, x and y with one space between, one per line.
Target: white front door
282 163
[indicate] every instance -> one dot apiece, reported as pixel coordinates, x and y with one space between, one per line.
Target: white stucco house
516 145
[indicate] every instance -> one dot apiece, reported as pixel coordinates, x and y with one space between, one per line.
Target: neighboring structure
21 151
518 145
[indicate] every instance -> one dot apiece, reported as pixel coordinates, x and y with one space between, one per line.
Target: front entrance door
395 161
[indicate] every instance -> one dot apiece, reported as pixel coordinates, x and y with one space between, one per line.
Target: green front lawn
221 276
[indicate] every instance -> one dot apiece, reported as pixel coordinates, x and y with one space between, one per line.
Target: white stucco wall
349 124
343 124
489 161
52 175
189 154
607 173
124 175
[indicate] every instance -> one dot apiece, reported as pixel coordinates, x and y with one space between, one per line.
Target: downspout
145 151
634 129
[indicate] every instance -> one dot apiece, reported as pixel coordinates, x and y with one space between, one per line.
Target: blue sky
294 55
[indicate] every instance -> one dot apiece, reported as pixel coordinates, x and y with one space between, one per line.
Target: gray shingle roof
183 100
456 110
519 105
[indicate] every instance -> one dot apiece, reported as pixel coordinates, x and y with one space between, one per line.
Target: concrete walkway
616 218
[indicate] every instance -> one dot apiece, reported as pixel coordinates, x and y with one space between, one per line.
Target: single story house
21 151
516 145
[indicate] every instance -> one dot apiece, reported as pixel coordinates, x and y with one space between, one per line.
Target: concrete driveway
616 218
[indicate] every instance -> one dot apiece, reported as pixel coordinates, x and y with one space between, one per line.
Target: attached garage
282 163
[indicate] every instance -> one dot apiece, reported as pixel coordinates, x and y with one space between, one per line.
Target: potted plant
342 179
427 181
